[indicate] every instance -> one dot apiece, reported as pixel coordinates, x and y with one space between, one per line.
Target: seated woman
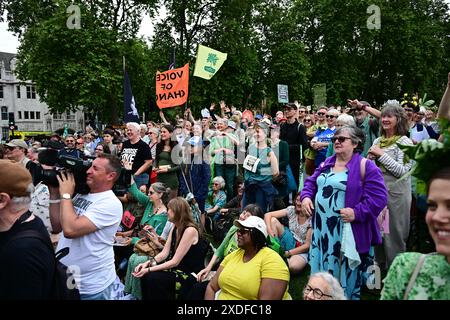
262 270
233 207
154 219
294 239
168 275
323 286
216 198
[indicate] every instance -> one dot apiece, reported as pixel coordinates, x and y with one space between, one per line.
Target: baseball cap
17 143
262 125
205 113
232 124
15 179
253 222
290 106
258 116
266 121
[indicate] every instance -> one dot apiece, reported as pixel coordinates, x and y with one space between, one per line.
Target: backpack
64 286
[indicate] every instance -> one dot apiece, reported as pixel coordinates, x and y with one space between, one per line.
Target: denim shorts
288 242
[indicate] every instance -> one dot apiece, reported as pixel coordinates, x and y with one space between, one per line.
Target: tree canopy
298 43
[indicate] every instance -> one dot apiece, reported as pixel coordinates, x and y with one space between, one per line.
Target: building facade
20 103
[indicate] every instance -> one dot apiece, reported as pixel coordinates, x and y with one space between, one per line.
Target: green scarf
384 143
387 142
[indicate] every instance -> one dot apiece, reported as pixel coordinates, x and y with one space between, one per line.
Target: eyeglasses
329 116
320 114
243 231
340 139
78 142
302 111
317 293
216 184
307 120
10 148
151 192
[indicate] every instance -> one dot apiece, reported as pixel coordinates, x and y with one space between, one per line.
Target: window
38 115
19 113
32 115
57 116
70 116
25 115
5 132
4 113
18 92
1 92
31 92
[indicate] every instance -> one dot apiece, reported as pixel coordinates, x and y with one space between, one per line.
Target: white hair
391 103
346 120
135 126
336 290
22 203
220 181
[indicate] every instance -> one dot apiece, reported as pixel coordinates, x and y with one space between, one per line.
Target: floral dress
432 282
325 250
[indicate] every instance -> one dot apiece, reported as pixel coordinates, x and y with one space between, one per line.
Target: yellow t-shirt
241 281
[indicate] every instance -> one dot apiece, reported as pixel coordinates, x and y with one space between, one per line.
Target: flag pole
123 62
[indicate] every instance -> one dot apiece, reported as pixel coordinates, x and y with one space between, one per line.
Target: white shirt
91 256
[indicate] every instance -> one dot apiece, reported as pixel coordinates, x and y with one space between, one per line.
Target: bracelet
52 201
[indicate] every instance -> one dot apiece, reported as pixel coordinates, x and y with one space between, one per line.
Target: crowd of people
325 191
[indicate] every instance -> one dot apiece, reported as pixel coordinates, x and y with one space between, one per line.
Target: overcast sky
9 43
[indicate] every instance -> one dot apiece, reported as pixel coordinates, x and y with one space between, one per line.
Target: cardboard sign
172 87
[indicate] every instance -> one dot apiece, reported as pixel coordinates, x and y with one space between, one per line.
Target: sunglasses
408 110
243 231
10 148
302 111
151 192
328 116
307 120
320 114
340 139
78 142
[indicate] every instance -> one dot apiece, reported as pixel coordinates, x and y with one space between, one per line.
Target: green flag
208 62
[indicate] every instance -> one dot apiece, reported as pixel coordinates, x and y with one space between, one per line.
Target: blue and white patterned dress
325 251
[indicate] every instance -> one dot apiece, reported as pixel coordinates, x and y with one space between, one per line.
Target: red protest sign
172 87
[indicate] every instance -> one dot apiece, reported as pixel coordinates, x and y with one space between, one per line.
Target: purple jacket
366 199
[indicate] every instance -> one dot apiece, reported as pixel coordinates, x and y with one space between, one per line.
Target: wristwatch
66 196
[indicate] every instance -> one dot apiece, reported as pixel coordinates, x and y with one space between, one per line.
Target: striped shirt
393 158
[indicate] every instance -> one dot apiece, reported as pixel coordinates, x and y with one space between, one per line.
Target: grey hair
393 109
22 203
346 120
356 135
160 187
220 181
336 289
136 126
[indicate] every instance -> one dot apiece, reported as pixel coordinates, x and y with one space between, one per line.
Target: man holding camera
89 223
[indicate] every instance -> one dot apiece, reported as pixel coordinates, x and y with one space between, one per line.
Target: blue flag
130 110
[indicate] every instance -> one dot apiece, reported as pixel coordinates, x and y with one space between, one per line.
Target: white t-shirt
92 256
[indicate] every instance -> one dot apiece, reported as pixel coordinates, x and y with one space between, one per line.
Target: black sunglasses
340 139
329 116
243 231
320 114
307 120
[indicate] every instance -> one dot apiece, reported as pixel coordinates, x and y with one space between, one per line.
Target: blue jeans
261 193
141 179
102 295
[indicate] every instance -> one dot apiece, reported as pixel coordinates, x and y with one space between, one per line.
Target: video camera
79 167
